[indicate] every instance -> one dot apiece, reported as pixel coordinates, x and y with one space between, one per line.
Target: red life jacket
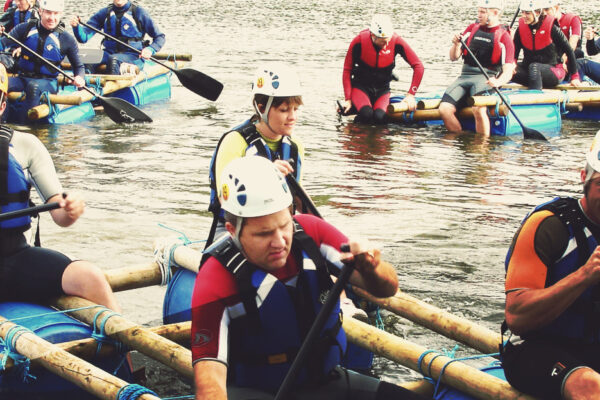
486 48
538 47
374 67
565 24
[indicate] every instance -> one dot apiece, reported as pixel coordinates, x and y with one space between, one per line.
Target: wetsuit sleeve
17 32
413 60
83 34
37 164
70 48
348 65
592 47
517 44
563 47
233 146
300 145
158 38
576 26
326 236
7 19
509 48
536 247
214 291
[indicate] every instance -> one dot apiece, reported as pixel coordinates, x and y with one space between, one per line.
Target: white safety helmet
381 26
498 4
547 3
252 186
52 5
274 80
592 158
530 5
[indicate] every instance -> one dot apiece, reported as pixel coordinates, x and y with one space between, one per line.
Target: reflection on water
444 207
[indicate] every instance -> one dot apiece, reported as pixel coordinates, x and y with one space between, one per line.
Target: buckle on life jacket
277 358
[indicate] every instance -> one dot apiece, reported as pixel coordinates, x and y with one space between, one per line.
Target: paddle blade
529 133
91 56
120 110
199 83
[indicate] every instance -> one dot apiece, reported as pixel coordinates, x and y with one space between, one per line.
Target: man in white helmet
269 133
493 47
368 69
543 44
49 40
553 295
259 292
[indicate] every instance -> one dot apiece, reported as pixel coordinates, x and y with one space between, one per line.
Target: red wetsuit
216 293
368 70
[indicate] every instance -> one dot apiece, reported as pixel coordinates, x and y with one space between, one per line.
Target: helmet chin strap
236 237
265 116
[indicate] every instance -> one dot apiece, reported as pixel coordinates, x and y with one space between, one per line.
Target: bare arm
455 50
71 209
210 380
528 309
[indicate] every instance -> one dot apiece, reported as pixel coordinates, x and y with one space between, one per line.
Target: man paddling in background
29 273
553 293
129 23
492 45
258 294
51 42
368 68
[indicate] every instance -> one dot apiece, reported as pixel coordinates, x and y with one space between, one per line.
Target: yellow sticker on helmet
225 191
260 82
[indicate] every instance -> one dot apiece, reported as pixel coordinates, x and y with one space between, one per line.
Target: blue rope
186 241
22 363
132 391
98 329
378 320
187 396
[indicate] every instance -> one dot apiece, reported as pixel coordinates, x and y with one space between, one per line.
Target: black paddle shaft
299 191
196 81
28 211
528 133
315 330
117 109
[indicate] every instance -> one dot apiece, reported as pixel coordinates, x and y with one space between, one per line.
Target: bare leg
482 122
582 384
84 279
448 114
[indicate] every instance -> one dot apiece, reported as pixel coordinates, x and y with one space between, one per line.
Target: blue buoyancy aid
581 321
288 150
14 187
270 323
48 47
125 26
24 16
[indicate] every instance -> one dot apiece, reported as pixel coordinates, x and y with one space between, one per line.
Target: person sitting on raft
543 45
46 37
368 71
129 23
493 47
552 293
242 343
23 12
37 274
570 24
588 67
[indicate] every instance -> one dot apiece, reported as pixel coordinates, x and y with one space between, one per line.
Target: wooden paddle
195 81
117 109
528 133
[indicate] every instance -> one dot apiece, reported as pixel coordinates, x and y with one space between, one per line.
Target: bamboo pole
457 374
428 104
134 336
397 107
517 86
54 98
546 97
173 56
87 348
83 374
434 114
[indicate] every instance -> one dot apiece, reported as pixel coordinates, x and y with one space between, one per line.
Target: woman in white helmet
276 99
368 68
258 293
543 44
493 47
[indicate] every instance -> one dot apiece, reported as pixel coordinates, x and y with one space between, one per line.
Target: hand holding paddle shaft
195 81
117 109
528 133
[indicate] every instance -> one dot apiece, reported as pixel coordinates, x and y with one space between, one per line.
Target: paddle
299 191
315 330
29 211
117 109
515 17
528 133
196 81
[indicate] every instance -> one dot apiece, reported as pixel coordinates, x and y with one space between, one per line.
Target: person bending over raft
543 45
368 68
243 344
492 45
37 274
269 133
552 292
129 23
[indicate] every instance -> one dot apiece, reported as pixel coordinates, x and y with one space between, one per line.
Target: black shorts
540 367
471 82
32 274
